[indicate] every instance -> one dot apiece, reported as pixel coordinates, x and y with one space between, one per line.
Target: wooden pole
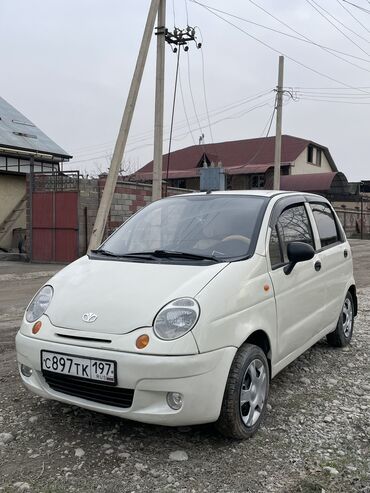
115 166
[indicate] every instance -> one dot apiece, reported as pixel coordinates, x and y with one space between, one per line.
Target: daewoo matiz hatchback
187 311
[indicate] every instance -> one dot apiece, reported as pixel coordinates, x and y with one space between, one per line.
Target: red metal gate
54 217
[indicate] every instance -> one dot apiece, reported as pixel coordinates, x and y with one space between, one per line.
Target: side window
294 225
276 258
326 224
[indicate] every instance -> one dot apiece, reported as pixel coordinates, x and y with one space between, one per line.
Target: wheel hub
253 392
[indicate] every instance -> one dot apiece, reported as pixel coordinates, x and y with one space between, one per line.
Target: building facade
23 147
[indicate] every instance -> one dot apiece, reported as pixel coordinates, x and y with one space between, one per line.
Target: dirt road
315 439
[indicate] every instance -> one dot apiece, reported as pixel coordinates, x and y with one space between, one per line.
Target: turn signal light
142 341
36 327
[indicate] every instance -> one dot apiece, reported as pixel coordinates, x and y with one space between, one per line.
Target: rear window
326 224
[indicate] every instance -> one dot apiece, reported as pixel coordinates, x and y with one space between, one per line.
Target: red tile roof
232 154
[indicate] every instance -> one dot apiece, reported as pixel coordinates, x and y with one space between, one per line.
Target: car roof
255 193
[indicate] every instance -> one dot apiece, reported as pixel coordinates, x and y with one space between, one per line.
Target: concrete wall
12 189
301 166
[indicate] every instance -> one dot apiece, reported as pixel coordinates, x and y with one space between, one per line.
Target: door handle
317 265
345 253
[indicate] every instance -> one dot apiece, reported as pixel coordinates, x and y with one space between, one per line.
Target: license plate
101 370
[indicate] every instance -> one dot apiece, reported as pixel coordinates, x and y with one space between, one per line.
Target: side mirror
298 252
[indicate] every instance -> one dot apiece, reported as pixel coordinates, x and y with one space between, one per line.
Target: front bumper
201 378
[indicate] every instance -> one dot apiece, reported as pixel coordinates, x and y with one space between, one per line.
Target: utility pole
159 103
110 184
279 116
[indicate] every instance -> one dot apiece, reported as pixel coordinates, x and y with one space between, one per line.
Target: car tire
342 335
245 398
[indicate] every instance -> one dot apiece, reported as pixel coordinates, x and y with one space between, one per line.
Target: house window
257 181
179 183
314 155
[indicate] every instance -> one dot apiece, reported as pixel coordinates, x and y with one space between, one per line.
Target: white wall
12 189
302 167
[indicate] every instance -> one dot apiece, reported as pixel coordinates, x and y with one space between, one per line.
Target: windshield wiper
101 251
107 253
175 254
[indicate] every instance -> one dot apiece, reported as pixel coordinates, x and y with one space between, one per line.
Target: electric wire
307 39
87 150
184 107
303 38
353 16
263 144
315 7
183 135
172 118
173 13
333 101
358 6
187 12
192 99
204 86
328 77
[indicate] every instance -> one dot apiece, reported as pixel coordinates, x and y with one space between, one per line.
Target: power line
173 12
332 101
336 27
333 88
183 135
358 6
353 16
187 12
303 37
278 51
192 97
172 117
268 125
204 86
184 107
182 124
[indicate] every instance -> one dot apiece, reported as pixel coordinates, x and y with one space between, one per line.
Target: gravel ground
315 438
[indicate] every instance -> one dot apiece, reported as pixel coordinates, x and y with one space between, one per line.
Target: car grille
89 390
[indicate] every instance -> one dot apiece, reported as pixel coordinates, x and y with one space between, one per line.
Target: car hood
122 295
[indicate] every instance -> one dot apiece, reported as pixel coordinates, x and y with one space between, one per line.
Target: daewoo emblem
89 317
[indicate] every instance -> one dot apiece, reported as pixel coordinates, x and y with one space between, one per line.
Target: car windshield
198 227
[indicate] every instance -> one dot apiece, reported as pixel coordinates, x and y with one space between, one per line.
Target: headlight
39 304
176 318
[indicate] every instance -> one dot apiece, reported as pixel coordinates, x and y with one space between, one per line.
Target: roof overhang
19 151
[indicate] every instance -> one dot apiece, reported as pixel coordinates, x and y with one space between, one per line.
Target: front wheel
342 335
245 398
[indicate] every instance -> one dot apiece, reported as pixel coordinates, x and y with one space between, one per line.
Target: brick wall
128 198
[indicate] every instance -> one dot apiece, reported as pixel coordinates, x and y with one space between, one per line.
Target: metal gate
54 216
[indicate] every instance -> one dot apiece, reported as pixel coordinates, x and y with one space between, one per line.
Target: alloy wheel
253 392
347 317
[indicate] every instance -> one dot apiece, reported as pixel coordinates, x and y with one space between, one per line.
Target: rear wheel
245 398
342 335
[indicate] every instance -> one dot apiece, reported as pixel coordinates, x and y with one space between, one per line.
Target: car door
335 257
298 295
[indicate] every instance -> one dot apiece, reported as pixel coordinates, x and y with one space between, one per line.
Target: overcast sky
67 65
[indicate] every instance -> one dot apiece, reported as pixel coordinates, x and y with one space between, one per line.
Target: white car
186 312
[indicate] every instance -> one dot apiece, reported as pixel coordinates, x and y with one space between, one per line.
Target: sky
67 65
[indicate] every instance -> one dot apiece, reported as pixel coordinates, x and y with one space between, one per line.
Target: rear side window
292 225
326 224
